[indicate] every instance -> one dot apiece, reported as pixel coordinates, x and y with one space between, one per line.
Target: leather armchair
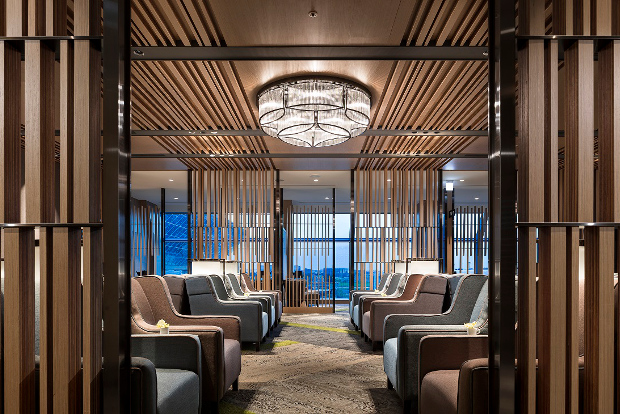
204 299
403 333
219 335
422 295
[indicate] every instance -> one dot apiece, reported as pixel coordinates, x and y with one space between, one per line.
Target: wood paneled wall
231 219
69 233
548 311
396 218
145 237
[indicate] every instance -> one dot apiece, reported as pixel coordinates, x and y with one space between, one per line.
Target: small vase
164 331
471 331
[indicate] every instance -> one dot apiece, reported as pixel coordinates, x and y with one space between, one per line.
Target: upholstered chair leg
375 346
389 385
235 385
258 346
212 407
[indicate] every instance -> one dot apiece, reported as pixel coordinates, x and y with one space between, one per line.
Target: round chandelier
314 112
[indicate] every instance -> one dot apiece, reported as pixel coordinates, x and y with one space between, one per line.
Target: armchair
422 295
395 289
391 284
248 287
383 283
402 334
219 335
205 300
165 374
233 288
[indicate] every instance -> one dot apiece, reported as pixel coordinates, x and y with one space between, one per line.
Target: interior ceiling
222 95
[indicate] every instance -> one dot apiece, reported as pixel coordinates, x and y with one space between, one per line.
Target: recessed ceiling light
461 180
312 13
176 198
477 198
214 132
316 179
211 155
326 198
170 179
389 179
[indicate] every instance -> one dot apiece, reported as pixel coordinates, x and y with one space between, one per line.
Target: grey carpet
313 364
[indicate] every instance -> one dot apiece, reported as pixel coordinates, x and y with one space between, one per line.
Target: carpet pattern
312 364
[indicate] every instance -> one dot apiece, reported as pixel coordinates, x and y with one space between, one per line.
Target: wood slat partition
70 332
145 222
396 219
470 238
310 234
231 215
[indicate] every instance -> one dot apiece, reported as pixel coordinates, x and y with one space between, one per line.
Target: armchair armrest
474 386
439 352
394 322
174 351
143 386
231 325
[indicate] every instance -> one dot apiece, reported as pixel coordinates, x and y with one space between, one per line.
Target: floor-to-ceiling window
175 243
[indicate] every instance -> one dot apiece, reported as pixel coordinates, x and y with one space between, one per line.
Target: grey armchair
233 288
247 286
165 374
402 335
422 295
395 288
205 300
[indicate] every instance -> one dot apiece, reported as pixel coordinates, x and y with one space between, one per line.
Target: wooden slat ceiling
204 95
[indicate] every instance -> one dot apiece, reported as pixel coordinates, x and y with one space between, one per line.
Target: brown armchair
219 335
422 295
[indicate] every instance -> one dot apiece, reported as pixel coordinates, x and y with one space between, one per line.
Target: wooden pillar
19 373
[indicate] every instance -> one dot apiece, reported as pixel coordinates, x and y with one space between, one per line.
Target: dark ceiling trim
229 53
307 155
260 133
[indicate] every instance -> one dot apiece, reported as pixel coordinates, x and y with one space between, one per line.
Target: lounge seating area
293 207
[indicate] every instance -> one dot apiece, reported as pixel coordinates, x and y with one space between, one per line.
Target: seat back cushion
480 313
384 279
200 295
234 284
431 294
176 287
219 287
394 283
411 287
158 297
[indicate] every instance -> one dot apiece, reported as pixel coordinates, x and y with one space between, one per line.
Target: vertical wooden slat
579 170
66 131
530 208
67 320
39 76
16 17
552 314
10 137
599 320
36 17
602 17
19 373
47 315
551 199
55 17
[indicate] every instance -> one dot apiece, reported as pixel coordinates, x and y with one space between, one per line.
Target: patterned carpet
312 364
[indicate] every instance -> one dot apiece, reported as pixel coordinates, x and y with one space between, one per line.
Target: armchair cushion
178 391
439 392
232 358
390 360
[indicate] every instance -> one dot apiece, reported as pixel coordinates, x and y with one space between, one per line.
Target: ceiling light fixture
316 179
476 198
314 112
176 198
461 180
170 179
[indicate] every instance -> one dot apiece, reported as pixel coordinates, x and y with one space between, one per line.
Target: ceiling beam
261 133
308 155
270 53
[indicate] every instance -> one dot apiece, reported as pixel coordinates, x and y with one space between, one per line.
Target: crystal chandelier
313 112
